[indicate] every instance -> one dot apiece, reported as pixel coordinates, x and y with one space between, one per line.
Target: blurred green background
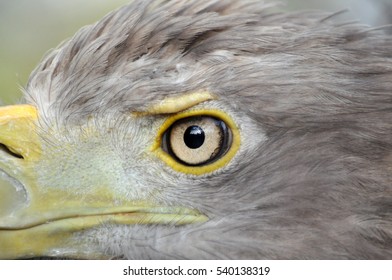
28 29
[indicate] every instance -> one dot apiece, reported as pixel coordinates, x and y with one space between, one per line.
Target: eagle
203 129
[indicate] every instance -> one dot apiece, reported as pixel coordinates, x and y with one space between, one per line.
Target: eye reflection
194 137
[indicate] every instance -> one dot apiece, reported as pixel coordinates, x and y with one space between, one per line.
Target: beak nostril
8 151
18 137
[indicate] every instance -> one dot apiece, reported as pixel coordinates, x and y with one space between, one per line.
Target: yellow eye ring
197 170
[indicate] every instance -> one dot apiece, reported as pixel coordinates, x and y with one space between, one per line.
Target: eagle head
203 129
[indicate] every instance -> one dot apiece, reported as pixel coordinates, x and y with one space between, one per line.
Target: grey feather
319 186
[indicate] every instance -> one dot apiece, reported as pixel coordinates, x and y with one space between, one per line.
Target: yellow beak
38 218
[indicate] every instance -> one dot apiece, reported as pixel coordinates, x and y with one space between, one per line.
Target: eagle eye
197 140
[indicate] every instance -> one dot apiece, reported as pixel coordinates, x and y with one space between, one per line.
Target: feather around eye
198 140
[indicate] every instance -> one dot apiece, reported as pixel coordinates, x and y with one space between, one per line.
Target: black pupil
194 137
